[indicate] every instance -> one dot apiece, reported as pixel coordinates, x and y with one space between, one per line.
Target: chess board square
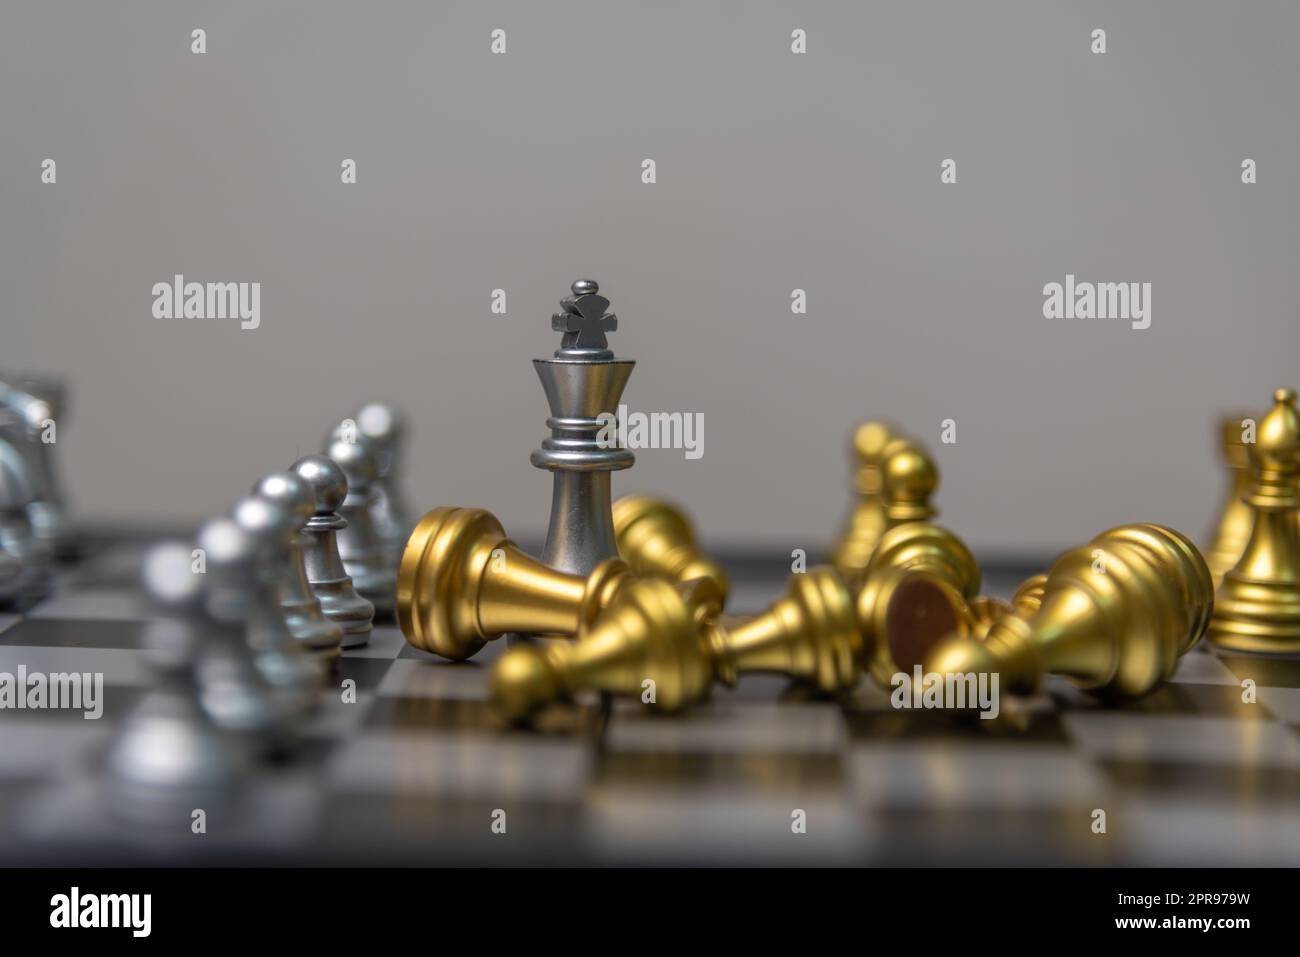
990 836
470 716
368 673
700 826
1203 669
727 725
1266 672
118 666
71 633
503 769
383 643
1140 738
433 678
34 748
96 605
413 829
1029 725
1212 700
1001 775
1283 702
1193 832
772 772
1236 784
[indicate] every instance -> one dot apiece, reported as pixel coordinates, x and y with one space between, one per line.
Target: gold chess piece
646 643
657 540
1232 530
1115 616
1257 608
896 632
867 521
462 583
668 644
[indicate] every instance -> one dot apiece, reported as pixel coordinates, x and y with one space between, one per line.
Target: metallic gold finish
1029 596
674 637
463 583
810 633
657 540
1115 615
909 479
896 630
1232 530
647 634
1257 608
867 522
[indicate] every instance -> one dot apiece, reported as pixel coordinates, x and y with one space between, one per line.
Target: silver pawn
329 579
168 757
359 544
245 556
383 426
25 575
34 405
302 609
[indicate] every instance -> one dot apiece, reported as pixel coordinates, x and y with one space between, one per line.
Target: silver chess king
582 380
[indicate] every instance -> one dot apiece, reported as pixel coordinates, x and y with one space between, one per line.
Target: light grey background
775 171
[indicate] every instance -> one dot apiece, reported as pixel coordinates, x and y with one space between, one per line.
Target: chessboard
416 769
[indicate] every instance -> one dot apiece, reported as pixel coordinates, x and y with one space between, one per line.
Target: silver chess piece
33 408
245 556
25 574
325 572
359 544
582 380
169 757
383 425
302 609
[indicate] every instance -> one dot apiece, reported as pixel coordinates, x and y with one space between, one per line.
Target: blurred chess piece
657 539
1115 616
31 411
246 555
896 631
302 609
359 544
383 425
25 575
463 583
867 522
168 757
667 644
321 560
1232 530
1257 608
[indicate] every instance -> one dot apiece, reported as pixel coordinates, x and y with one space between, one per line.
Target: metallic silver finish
582 381
32 402
324 568
245 557
25 574
169 757
302 609
382 424
359 544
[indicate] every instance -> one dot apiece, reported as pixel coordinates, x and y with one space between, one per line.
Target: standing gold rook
867 522
1257 608
463 583
1232 530
668 640
1115 616
656 539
